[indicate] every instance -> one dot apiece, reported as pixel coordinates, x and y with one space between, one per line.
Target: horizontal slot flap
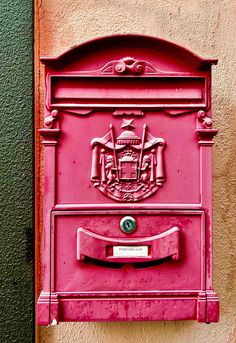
128 250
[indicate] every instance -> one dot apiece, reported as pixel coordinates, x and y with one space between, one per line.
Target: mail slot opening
118 265
147 264
107 264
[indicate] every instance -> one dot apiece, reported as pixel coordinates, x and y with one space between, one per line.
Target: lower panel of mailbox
128 265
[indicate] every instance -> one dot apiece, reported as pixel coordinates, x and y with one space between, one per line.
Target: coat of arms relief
128 168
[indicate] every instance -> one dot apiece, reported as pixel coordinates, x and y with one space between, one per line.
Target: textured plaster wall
16 171
208 28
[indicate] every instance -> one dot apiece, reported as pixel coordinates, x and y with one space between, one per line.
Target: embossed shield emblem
127 168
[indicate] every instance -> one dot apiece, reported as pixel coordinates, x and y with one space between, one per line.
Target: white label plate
130 251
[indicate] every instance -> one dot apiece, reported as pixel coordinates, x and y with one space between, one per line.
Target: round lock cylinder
128 224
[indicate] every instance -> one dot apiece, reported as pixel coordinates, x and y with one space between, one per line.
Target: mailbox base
203 307
47 309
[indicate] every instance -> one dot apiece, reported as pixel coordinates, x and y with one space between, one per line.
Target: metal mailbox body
127 183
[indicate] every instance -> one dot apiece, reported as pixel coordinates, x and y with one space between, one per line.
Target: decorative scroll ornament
129 65
50 119
206 121
127 168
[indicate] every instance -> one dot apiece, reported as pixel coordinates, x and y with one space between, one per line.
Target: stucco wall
205 27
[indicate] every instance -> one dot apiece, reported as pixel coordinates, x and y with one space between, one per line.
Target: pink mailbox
127 183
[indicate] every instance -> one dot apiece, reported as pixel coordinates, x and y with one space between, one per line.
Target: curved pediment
174 55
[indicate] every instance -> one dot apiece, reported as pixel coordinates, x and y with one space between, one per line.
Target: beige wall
206 27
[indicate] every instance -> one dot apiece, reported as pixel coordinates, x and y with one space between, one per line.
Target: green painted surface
16 171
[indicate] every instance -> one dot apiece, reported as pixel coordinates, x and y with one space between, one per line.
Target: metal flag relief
128 168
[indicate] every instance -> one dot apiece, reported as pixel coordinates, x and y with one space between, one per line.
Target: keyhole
128 224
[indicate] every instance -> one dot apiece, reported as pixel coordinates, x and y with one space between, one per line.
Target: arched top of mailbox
115 43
